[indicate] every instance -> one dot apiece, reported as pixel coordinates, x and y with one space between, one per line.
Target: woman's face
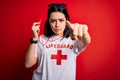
57 22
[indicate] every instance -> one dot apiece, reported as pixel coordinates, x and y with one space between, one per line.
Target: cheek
64 25
52 25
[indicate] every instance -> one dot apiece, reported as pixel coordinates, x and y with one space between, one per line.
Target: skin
57 20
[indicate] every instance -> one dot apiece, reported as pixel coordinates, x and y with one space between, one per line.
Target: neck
60 35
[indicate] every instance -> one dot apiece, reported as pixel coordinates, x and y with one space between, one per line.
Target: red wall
101 59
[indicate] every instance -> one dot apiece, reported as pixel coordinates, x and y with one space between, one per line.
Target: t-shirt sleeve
36 50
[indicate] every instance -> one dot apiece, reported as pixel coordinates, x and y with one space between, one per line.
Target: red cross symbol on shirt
59 57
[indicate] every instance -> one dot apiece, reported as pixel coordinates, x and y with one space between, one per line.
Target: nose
57 23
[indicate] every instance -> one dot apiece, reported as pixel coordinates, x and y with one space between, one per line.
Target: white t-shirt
56 58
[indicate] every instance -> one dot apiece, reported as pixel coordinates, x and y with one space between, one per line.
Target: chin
58 34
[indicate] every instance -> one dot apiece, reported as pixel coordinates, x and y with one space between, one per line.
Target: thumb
69 24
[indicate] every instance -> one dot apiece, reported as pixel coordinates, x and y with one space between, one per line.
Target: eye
61 20
52 21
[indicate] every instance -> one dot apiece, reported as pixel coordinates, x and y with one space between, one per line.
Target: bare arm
30 58
84 41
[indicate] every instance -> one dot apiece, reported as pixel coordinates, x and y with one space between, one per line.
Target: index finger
40 21
37 23
69 25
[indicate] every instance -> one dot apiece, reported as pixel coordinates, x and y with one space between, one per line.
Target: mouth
58 29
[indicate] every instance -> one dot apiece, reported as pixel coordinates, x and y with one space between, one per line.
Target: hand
36 29
77 30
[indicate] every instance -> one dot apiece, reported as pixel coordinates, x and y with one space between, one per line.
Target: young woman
56 50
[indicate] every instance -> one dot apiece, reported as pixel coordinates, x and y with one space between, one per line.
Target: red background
100 61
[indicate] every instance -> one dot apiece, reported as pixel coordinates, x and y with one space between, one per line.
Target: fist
77 30
36 29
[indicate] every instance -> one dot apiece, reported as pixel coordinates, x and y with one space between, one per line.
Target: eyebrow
58 19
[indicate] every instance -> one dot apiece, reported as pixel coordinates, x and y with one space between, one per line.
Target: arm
85 41
80 33
30 58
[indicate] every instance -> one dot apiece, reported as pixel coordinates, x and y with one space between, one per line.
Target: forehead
57 15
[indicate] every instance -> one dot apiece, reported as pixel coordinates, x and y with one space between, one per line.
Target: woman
56 50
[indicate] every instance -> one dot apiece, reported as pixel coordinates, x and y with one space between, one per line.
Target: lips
58 29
